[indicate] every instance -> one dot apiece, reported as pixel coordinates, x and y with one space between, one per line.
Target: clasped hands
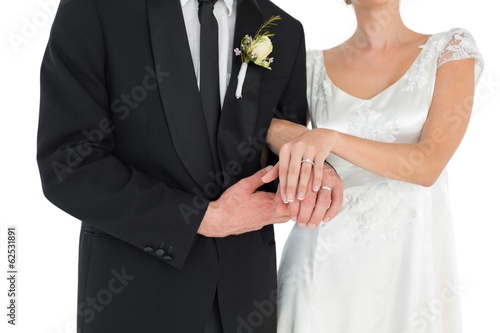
309 188
310 191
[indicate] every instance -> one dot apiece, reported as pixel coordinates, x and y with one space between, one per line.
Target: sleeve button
148 249
160 252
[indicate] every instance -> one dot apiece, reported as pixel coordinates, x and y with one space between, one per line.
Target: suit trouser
214 324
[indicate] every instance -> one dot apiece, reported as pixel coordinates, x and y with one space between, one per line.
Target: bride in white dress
392 107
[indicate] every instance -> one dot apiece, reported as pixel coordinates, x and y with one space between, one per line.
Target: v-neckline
423 46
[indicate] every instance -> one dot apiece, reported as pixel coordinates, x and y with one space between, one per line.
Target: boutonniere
255 49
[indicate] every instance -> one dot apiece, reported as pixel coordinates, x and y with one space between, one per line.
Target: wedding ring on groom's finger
329 189
307 161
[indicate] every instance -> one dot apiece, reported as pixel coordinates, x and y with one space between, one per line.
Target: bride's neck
379 27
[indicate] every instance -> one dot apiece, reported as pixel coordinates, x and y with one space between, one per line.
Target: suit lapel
179 91
239 116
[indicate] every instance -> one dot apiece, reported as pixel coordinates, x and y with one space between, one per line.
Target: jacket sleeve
293 103
75 145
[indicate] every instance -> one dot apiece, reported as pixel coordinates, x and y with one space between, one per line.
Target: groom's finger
294 209
272 174
333 184
323 202
253 182
307 205
307 208
336 205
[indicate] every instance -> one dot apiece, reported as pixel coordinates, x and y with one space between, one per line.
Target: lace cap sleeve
460 44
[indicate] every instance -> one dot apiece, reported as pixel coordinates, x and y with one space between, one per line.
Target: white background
48 238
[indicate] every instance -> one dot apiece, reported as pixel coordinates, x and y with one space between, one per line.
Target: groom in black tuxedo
175 235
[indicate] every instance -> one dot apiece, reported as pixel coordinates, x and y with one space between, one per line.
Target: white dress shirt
225 13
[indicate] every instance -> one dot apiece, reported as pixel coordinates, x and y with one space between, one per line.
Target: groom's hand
242 208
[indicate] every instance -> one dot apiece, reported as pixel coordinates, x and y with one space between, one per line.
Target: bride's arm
420 163
281 132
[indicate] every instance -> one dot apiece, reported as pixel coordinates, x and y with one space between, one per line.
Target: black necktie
209 70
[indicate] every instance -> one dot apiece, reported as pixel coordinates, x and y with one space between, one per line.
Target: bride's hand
316 207
302 158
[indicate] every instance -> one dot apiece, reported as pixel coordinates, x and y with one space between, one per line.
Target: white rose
260 50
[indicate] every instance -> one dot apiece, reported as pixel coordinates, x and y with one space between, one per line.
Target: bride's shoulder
456 44
454 36
455 41
457 31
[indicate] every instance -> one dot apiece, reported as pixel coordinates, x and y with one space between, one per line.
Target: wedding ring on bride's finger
307 161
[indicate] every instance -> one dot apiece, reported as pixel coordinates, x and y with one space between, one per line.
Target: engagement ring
307 161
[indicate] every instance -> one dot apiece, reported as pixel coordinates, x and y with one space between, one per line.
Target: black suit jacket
123 146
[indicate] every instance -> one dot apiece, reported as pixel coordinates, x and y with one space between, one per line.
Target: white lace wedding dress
386 263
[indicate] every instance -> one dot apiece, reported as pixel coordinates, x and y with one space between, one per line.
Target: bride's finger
281 207
307 207
318 175
293 174
306 169
284 161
